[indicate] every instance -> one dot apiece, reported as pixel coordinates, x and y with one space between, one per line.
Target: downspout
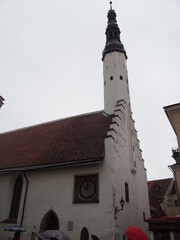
25 196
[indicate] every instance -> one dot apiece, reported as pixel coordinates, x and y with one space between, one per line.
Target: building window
127 192
121 77
111 78
16 198
176 203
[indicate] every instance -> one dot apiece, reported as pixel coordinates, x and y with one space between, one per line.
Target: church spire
113 42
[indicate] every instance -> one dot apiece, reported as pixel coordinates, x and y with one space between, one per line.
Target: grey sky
51 68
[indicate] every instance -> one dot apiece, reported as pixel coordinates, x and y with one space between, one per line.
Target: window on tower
111 78
127 192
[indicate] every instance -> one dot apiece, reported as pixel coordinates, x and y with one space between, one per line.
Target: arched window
84 234
49 222
16 198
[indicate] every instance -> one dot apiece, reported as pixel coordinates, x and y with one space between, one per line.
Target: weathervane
110 5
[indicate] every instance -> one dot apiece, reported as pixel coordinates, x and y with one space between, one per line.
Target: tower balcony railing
176 155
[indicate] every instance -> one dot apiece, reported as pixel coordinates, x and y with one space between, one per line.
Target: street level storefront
164 228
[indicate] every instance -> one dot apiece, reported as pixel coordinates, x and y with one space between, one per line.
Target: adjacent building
73 174
163 198
167 227
173 114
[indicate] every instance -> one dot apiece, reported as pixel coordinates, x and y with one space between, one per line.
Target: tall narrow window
127 192
16 198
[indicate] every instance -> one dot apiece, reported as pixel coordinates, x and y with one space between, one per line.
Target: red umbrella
133 233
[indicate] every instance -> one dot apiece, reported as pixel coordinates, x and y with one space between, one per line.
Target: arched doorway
49 222
84 234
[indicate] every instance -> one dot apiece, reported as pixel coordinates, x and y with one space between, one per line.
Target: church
83 174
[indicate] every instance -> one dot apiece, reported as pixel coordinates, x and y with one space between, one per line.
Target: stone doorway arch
49 222
84 234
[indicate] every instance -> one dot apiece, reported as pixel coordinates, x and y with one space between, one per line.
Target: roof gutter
54 166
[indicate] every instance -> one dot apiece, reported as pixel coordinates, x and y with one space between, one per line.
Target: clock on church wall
86 189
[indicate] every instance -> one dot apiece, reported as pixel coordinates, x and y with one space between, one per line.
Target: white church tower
114 66
129 180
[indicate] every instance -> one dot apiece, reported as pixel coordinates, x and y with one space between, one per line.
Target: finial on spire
113 42
110 5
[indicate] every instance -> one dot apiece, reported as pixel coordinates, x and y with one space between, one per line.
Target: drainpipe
27 183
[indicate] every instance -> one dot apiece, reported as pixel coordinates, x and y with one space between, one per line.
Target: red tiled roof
67 140
158 188
156 209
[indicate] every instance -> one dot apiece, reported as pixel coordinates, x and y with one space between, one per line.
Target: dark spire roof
113 42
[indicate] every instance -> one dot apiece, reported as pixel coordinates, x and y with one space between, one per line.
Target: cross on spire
110 5
113 42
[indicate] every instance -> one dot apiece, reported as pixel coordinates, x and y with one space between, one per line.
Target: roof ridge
162 179
53 121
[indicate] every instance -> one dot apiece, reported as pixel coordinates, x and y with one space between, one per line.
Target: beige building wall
173 114
169 202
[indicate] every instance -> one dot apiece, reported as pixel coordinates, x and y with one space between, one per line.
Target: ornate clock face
86 189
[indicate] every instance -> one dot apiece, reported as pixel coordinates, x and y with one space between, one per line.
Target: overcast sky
51 68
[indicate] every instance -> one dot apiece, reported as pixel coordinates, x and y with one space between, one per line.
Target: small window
176 203
104 83
121 77
127 192
111 78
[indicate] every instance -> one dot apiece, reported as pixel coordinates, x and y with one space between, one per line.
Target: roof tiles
67 140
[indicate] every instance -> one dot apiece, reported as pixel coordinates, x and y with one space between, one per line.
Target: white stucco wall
53 189
128 165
